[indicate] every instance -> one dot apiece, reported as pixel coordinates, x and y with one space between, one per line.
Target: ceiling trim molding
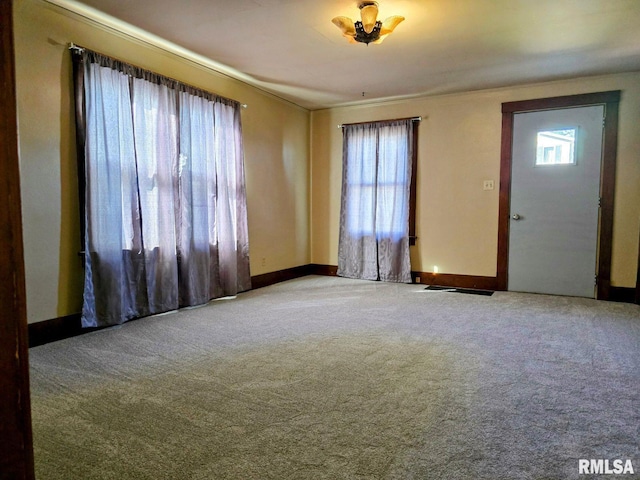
114 26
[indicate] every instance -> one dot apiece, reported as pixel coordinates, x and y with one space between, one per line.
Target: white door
555 196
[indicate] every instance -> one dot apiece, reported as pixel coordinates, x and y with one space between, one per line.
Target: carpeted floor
329 378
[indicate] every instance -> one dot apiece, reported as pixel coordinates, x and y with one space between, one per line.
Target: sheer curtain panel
376 186
163 199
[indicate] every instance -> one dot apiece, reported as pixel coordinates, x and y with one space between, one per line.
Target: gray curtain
165 221
374 217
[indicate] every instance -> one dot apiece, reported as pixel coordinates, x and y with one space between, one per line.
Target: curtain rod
77 48
73 46
414 119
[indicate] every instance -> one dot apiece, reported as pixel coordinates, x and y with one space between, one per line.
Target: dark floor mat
471 291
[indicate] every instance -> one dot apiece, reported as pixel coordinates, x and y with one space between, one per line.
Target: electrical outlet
417 279
488 185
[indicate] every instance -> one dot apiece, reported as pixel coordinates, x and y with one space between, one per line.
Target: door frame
611 102
637 297
16 454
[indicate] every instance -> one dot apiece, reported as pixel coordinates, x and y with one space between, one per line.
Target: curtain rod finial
75 48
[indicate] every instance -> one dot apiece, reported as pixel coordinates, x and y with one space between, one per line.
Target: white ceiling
291 48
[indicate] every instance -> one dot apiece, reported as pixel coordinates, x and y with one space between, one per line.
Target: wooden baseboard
622 294
272 278
326 270
459 281
56 329
445 280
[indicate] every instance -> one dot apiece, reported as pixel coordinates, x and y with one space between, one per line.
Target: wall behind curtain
459 147
276 142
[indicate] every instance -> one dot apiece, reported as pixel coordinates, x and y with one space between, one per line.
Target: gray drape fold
374 217
165 220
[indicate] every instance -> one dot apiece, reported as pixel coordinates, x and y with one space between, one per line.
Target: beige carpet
328 378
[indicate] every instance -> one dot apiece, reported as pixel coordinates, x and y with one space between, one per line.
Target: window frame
413 185
414 167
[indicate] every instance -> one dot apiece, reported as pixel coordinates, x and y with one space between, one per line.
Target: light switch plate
488 185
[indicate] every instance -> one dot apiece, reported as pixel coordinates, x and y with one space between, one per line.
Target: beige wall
276 139
293 163
459 147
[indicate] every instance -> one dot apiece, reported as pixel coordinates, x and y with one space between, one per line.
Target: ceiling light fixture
369 30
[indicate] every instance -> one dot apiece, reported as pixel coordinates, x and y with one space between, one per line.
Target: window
162 181
378 200
382 167
556 147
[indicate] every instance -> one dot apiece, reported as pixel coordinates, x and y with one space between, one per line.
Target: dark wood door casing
611 101
16 449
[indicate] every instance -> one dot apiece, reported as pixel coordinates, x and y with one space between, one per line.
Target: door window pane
556 147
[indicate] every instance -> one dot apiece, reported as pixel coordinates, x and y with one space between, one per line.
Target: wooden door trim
637 298
611 101
16 453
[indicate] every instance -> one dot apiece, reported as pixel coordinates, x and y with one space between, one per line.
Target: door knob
515 216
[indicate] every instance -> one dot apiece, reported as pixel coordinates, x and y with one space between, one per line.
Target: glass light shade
389 24
369 14
346 25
